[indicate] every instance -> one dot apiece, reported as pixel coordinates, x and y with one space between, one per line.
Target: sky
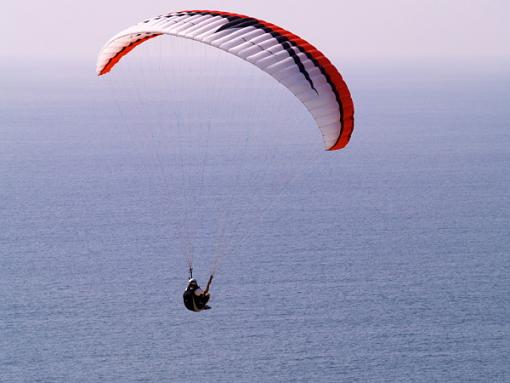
361 29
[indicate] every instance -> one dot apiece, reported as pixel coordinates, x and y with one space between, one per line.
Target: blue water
386 262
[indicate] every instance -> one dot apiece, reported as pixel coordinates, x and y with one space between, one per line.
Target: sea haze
385 262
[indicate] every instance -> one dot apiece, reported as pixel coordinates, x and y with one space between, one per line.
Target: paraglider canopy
292 61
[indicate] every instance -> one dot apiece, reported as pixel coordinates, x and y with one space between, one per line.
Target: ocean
388 261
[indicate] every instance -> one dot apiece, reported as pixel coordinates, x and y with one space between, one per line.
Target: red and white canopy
292 61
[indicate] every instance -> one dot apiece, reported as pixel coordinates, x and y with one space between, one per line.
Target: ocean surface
385 262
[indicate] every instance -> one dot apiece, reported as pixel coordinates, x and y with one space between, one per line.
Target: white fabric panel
217 36
319 88
331 128
196 24
217 23
272 59
325 99
174 21
231 37
325 111
269 44
235 41
190 24
287 63
248 42
209 25
330 133
168 21
176 28
325 120
264 42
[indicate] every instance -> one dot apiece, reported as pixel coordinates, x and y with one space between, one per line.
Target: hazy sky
353 29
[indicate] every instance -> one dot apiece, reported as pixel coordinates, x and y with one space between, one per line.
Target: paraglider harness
195 302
